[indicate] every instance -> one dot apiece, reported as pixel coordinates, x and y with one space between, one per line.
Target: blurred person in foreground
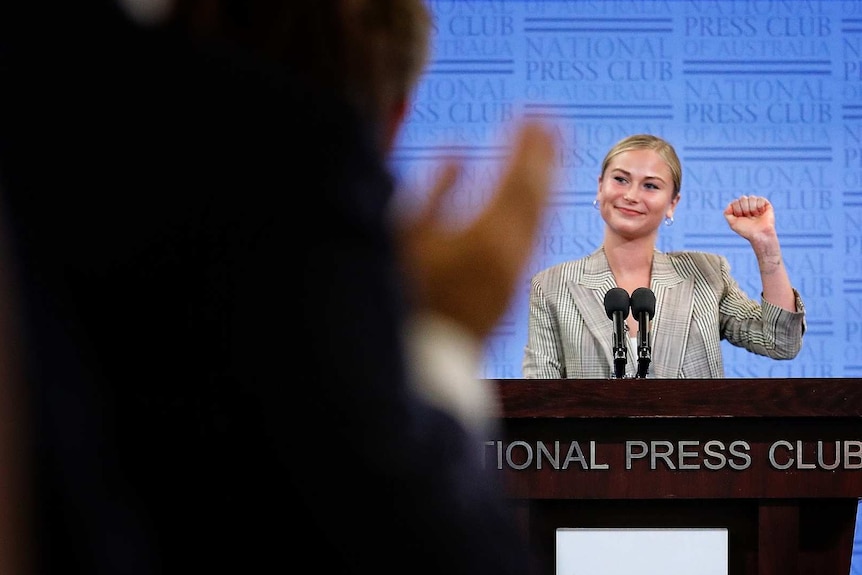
212 387
454 286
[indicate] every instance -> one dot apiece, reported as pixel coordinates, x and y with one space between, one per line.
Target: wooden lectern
778 462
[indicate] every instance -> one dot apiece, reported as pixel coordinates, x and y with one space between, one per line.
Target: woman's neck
630 253
630 261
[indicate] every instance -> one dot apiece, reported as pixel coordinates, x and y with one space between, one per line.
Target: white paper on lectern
637 551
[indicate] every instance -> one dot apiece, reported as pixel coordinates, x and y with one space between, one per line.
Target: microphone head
617 299
643 301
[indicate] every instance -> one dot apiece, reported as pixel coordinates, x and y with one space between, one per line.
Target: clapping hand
469 274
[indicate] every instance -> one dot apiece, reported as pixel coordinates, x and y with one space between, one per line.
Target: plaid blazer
698 303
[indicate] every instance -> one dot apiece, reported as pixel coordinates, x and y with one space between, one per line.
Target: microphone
643 308
617 308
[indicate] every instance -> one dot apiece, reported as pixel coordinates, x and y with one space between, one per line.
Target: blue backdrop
759 97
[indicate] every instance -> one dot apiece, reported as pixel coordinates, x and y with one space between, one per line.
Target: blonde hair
649 142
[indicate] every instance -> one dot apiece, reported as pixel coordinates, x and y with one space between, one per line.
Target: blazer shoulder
688 262
568 270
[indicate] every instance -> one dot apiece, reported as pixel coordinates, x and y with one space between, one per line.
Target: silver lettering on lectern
678 456
521 455
784 455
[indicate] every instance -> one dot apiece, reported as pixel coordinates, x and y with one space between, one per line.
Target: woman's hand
752 217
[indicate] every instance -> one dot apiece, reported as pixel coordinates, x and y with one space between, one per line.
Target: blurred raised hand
469 274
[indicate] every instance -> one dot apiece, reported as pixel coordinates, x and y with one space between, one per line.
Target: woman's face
635 194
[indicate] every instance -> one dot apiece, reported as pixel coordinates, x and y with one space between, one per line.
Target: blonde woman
698 302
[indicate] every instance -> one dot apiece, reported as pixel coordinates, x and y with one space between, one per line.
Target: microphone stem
644 351
620 349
